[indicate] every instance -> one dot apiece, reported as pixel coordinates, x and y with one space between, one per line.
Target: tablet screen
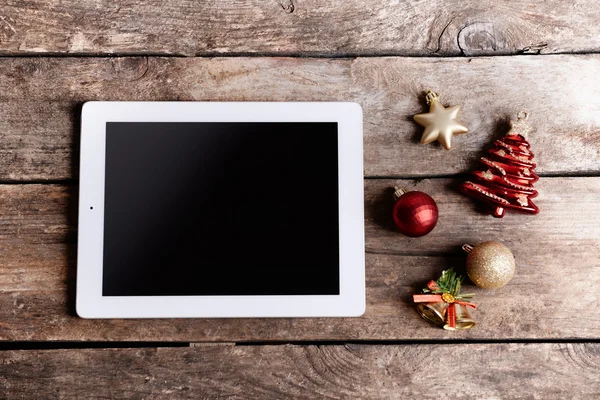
221 209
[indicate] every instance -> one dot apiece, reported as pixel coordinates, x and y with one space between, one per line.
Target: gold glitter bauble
490 265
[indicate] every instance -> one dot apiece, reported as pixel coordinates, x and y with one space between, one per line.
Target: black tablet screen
221 209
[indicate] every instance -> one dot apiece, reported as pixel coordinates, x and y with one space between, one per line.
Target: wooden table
535 338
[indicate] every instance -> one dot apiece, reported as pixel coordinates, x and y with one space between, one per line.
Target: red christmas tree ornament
506 177
415 213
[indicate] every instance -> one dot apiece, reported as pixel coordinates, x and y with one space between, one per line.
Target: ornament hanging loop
431 96
467 248
522 115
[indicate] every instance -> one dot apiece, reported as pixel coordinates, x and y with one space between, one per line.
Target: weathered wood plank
569 220
466 371
39 101
552 295
435 27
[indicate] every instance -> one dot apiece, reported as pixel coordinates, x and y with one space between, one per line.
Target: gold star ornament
440 122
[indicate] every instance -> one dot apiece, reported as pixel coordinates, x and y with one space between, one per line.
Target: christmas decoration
443 304
440 123
415 213
506 178
490 265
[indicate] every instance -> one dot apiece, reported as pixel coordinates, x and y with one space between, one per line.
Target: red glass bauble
415 213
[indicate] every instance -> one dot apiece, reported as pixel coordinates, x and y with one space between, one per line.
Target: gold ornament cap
398 192
431 96
490 265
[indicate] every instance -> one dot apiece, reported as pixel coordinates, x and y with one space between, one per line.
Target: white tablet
193 209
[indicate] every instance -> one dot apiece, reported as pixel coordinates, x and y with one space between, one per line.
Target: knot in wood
480 38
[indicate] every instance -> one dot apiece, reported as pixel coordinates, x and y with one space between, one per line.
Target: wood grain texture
40 103
552 296
182 27
467 371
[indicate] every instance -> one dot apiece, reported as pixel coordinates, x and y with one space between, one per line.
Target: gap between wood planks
276 54
68 345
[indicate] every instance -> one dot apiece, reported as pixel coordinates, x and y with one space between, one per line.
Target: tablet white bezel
91 304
